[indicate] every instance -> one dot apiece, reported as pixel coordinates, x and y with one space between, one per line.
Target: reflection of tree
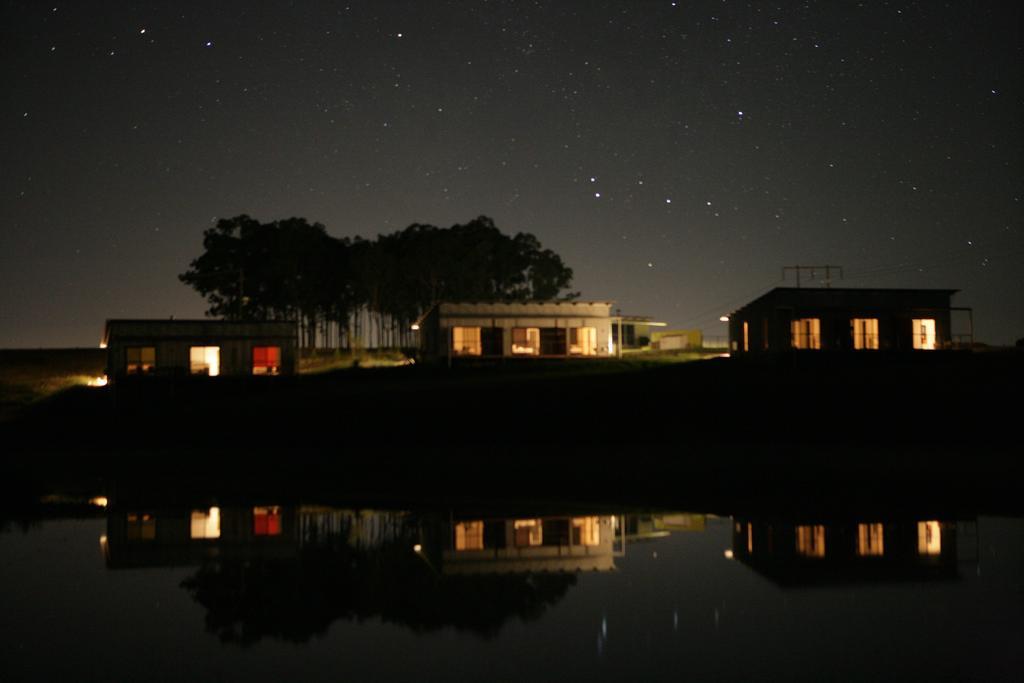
297 598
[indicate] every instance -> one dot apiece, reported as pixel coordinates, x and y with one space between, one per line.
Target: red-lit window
266 521
266 360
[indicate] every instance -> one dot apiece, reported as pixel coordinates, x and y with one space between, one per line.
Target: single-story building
536 329
200 347
669 340
843 319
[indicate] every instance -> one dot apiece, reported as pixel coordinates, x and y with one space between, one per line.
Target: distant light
724 319
103 345
142 31
597 194
415 326
417 548
668 201
98 381
399 35
99 501
209 43
728 554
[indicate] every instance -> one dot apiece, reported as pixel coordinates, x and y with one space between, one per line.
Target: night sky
675 154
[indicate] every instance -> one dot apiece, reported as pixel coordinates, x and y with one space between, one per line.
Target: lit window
865 333
141 526
526 340
806 333
583 341
469 535
810 540
924 333
206 523
466 341
266 360
586 530
746 336
528 532
140 360
266 521
929 538
870 540
204 360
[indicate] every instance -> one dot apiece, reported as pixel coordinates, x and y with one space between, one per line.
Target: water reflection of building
796 553
543 544
646 527
182 536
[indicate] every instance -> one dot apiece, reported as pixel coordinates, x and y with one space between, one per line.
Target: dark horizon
676 156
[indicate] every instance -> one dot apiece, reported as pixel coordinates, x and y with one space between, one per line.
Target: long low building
529 329
844 319
200 347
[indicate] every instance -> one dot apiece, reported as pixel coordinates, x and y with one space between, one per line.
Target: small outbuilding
540 329
200 347
844 320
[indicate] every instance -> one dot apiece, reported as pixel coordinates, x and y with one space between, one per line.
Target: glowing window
750 537
583 341
870 540
206 523
140 360
469 535
526 340
266 360
924 333
586 530
528 532
806 333
746 336
141 526
929 538
266 521
466 341
865 333
810 540
204 360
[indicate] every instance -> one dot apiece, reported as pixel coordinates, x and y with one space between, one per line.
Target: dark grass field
29 375
796 430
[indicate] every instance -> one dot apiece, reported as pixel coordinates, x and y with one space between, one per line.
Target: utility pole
811 270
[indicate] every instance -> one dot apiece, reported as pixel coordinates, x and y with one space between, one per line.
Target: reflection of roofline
453 564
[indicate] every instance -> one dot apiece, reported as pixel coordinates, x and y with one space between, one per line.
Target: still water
260 591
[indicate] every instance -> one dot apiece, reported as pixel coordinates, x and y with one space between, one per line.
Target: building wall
174 339
435 328
769 318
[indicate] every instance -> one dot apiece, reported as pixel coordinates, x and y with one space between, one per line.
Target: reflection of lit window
466 341
204 360
528 532
806 333
865 333
586 530
206 523
266 360
469 535
140 527
750 537
140 359
526 340
870 539
810 540
929 538
924 333
266 521
583 341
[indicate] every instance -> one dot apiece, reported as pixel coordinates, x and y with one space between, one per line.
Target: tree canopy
346 291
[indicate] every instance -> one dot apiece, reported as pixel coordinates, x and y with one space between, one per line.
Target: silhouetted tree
341 289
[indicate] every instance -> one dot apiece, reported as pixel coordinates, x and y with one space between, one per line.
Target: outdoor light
99 501
415 326
724 319
98 381
728 554
417 548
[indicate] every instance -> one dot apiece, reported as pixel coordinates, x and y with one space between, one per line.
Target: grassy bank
29 375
